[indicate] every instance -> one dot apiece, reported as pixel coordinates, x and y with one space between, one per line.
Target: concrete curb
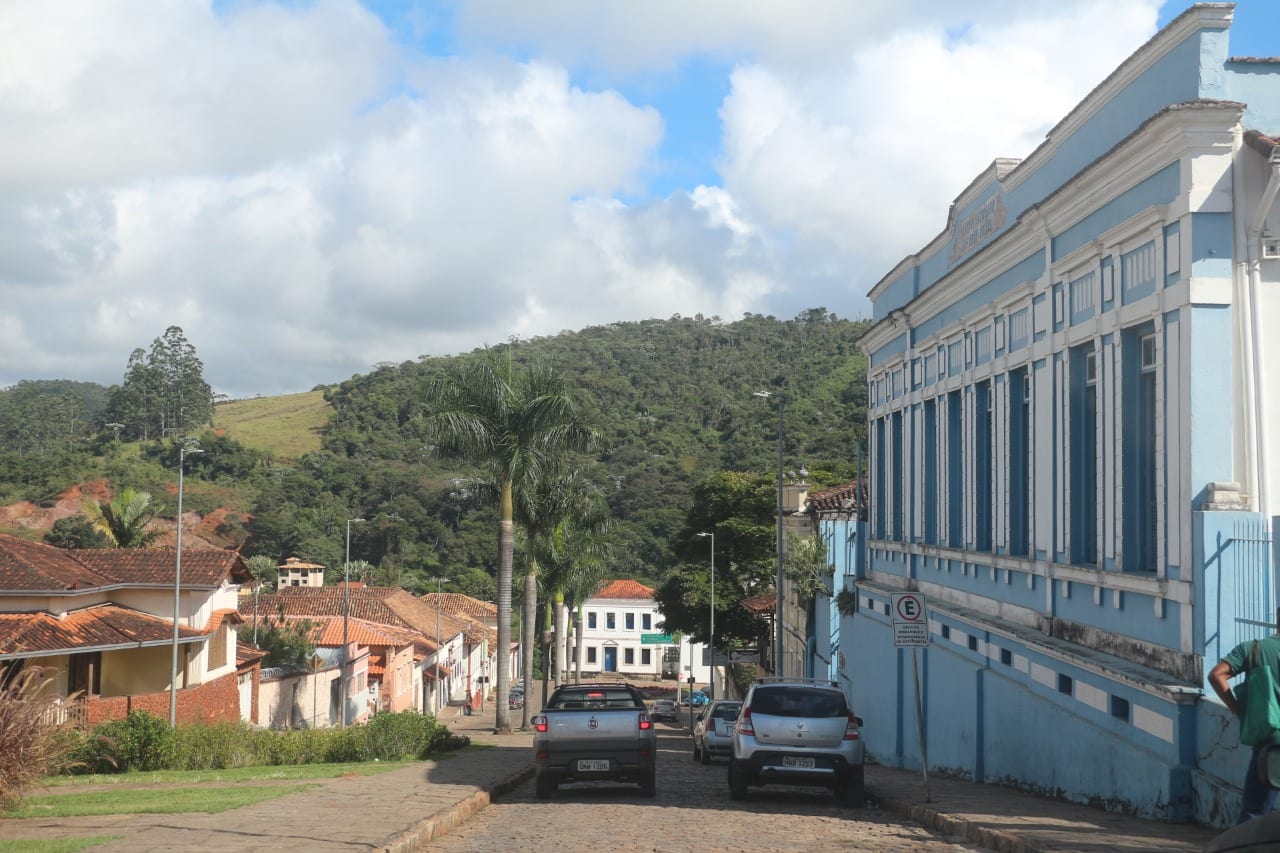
998 840
451 818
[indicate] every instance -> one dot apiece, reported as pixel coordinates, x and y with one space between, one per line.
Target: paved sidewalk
404 809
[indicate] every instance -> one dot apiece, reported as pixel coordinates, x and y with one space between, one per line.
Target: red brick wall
214 702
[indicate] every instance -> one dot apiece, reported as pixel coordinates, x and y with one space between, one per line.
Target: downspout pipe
1254 255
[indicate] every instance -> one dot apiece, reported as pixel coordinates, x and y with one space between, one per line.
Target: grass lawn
133 800
283 773
173 791
54 845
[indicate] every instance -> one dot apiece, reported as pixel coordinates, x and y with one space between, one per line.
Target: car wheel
737 782
853 792
546 786
649 787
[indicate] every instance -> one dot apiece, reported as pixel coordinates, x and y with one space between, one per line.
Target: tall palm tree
517 423
559 515
124 520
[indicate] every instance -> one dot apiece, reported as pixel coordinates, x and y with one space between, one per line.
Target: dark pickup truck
595 732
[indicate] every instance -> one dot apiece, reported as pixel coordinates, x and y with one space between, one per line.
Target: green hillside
675 399
286 427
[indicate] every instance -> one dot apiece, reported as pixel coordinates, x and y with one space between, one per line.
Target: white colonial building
621 634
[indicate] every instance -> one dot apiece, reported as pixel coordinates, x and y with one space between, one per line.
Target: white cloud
306 196
860 161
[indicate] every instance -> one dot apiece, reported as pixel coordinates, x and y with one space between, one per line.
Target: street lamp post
346 613
778 627
712 634
177 591
439 583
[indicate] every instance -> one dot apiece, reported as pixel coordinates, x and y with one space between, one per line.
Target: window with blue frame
646 621
955 470
982 466
1083 380
878 503
630 621
930 472
1019 462
1138 448
899 483
610 621
591 619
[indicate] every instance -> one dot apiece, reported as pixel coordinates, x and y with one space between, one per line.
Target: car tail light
646 722
540 723
745 726
851 730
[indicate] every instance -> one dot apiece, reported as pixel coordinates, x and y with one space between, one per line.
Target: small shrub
398 736
30 746
142 741
213 747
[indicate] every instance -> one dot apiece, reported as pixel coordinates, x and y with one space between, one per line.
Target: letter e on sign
910 622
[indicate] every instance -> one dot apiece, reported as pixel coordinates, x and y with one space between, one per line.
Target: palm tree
124 520
559 514
517 423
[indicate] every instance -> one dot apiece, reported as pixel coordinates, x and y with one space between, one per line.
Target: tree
124 520
559 514
739 508
76 531
163 391
264 568
286 644
517 423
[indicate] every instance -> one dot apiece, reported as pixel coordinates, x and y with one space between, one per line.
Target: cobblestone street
691 812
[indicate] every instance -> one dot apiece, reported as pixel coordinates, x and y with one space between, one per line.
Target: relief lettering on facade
977 227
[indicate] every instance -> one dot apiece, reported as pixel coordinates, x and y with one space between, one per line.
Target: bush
30 745
142 741
213 747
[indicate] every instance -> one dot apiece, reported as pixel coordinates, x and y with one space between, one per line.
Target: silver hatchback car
714 731
797 731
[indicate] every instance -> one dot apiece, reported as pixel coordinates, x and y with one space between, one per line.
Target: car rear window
726 712
792 701
569 700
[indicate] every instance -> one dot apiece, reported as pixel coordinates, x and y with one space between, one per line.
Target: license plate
803 763
587 766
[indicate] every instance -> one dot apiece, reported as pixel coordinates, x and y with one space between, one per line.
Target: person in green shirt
1259 798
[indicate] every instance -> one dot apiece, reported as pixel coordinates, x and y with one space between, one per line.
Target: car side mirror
858 721
700 716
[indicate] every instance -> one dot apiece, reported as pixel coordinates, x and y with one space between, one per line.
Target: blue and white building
1074 424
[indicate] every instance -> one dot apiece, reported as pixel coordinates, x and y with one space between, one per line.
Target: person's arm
1219 677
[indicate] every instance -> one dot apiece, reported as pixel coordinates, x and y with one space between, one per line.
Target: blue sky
313 187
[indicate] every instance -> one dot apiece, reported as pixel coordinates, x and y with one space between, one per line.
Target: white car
797 731
713 734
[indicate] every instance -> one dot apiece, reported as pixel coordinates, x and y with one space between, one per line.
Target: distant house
445 646
482 668
101 623
621 634
297 572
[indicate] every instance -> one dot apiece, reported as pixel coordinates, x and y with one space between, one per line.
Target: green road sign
656 640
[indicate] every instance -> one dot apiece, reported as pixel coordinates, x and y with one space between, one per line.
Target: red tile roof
455 604
27 566
762 605
215 621
246 655
624 589
845 499
382 605
97 627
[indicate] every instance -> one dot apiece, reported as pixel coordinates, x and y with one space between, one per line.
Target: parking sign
910 621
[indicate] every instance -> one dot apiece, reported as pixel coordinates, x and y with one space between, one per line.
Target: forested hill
676 399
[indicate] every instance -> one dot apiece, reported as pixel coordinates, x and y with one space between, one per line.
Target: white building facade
621 634
1073 455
